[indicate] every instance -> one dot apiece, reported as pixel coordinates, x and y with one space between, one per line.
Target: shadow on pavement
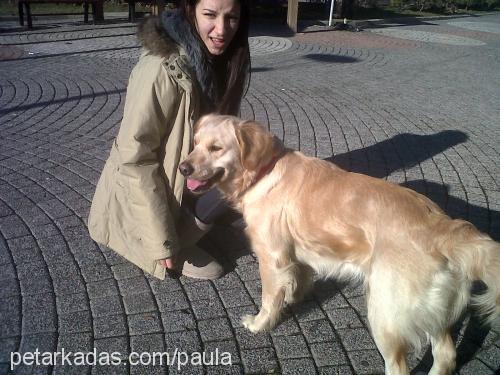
324 58
399 152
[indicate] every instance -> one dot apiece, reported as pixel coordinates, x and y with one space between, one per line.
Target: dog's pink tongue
194 184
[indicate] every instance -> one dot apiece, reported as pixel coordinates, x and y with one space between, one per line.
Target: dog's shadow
400 152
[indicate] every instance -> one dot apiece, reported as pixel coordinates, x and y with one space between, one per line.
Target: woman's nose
220 26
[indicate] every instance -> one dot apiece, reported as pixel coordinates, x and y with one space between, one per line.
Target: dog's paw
249 322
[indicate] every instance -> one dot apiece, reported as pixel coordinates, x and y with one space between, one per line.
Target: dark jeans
211 208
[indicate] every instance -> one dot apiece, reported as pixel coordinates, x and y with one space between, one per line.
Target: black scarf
181 32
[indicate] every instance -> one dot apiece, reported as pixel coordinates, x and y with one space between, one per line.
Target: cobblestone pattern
417 112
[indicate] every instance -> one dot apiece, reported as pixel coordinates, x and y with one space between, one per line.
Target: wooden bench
97 9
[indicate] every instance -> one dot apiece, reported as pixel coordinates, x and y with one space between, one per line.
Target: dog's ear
257 145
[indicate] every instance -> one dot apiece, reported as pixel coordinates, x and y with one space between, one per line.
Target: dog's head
228 152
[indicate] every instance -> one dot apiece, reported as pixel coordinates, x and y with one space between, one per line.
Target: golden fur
306 216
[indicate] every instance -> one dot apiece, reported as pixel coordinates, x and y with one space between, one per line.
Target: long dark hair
232 68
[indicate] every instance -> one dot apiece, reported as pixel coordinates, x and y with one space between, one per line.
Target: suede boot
191 260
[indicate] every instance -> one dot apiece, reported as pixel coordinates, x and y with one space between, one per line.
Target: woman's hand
167 263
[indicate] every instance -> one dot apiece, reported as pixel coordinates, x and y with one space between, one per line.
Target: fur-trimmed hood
170 33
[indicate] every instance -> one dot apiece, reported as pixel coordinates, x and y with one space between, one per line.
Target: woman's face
217 22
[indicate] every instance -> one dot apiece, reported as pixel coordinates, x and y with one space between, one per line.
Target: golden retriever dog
307 217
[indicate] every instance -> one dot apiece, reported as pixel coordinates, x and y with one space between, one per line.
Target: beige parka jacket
138 196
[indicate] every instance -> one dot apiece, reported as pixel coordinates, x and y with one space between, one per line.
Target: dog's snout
186 169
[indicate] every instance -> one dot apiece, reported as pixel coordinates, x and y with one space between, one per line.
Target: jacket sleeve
151 104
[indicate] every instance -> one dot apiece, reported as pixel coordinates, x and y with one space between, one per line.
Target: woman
195 60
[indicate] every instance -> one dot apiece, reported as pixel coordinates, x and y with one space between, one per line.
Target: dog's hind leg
444 353
393 351
278 281
385 324
302 283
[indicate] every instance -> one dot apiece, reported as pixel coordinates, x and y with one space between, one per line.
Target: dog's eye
214 148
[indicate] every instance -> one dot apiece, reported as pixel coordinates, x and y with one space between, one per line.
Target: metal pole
332 5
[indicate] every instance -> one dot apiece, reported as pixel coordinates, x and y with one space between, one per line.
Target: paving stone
302 366
32 270
109 326
259 361
96 272
79 321
207 309
8 346
13 227
187 341
108 305
44 342
225 370
344 318
69 303
359 303
215 329
138 303
248 272
75 342
336 370
200 291
126 271
291 347
178 320
149 343
40 320
7 271
113 345
356 339
249 340
144 323
307 311
331 301
222 352
229 281
175 300
186 369
286 326
366 362
133 286
328 354
163 286
475 367
36 286
317 331
68 285
254 288
235 297
10 288
102 288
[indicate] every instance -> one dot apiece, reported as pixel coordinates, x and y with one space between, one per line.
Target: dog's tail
478 256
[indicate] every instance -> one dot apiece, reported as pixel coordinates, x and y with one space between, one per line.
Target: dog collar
267 168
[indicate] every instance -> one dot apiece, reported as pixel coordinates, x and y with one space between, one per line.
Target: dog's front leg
273 297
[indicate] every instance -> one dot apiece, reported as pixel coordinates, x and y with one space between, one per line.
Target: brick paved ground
415 104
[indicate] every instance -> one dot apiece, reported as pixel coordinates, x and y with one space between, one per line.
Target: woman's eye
209 15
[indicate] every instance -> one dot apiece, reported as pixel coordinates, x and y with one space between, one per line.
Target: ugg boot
198 264
191 260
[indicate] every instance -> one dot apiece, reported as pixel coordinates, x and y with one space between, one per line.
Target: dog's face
227 152
215 156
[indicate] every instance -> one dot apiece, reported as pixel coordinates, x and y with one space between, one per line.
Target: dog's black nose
186 169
